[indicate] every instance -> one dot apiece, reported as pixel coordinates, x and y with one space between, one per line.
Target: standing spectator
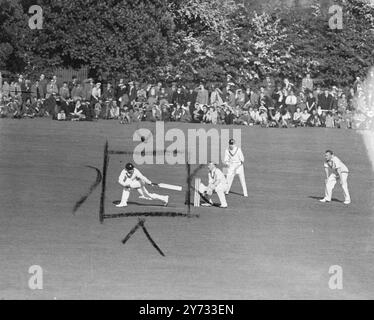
255 97
269 85
342 103
95 100
77 92
287 85
43 86
291 102
202 95
52 89
132 92
64 92
240 98
36 91
72 84
311 102
191 99
301 101
307 82
87 89
178 97
325 100
316 94
216 96
6 90
163 97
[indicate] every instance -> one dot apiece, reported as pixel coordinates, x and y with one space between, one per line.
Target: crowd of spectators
269 103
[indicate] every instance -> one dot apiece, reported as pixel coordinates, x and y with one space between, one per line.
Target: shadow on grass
318 198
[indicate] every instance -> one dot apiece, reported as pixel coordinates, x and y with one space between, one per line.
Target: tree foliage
189 39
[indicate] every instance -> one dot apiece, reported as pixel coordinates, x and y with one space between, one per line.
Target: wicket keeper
217 183
131 178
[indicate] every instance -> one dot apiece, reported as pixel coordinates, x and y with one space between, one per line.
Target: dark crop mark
91 189
133 230
151 214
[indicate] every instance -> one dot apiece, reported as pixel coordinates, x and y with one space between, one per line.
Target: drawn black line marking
103 183
151 214
130 234
99 177
150 238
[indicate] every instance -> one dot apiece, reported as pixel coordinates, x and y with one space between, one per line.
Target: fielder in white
234 160
217 183
335 170
131 178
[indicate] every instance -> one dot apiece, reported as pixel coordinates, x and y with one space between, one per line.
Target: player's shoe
167 201
223 206
246 196
121 205
206 204
324 200
347 202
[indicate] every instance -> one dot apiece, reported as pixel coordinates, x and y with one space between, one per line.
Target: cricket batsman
234 160
131 178
217 183
335 170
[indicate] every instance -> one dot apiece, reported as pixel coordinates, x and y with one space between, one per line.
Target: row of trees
189 39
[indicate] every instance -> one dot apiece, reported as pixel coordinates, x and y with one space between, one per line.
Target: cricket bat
168 186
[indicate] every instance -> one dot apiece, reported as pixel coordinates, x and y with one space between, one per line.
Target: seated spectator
186 116
286 119
296 118
156 112
263 114
78 113
165 116
255 115
240 98
28 109
276 119
61 116
338 119
304 118
229 117
329 121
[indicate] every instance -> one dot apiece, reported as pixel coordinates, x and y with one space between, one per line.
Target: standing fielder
335 169
234 159
217 183
131 178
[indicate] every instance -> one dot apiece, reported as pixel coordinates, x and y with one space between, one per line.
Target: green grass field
277 244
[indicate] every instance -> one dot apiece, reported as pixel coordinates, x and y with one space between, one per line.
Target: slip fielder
217 183
234 159
131 178
335 169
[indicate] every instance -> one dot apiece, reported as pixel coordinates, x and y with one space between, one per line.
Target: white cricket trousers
330 184
233 170
139 186
220 190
